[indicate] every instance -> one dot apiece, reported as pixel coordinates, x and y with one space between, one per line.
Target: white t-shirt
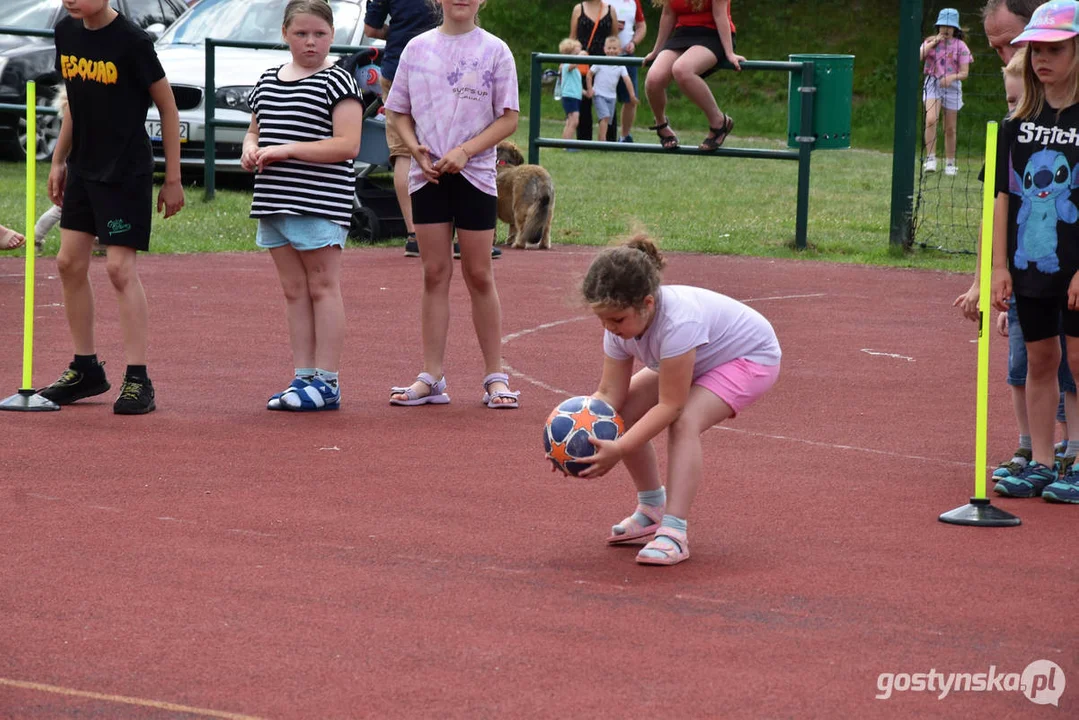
627 12
719 327
605 79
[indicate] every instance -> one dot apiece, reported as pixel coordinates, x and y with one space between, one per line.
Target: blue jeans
1017 360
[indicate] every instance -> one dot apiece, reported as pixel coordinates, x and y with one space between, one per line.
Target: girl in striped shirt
305 131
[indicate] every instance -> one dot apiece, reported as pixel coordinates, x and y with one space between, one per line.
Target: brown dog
525 199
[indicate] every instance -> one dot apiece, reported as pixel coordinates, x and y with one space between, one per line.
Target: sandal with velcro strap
436 394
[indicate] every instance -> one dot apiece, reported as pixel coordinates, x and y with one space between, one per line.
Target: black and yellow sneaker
76 384
136 397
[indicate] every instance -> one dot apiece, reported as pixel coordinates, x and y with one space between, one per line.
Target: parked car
182 51
25 58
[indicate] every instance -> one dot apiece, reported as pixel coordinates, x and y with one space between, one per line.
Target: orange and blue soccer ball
569 427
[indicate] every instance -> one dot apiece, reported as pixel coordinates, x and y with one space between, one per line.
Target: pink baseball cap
1051 22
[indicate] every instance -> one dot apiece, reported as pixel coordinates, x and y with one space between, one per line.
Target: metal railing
802 78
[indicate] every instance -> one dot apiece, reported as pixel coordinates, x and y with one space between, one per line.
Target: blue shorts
303 232
571 105
623 94
604 107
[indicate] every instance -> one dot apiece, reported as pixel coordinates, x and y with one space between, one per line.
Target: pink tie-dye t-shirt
946 58
454 86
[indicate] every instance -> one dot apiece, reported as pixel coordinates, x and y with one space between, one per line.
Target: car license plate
153 129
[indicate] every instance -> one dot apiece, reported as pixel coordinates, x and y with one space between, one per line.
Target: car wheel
365 227
48 132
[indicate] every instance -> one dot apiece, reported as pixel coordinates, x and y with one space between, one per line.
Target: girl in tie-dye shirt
947 61
454 98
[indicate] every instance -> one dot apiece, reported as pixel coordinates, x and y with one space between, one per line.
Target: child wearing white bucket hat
947 60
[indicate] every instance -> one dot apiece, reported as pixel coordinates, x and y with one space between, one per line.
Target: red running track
214 559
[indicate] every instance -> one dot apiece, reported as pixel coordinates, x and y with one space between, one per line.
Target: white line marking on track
837 446
783 297
908 358
142 702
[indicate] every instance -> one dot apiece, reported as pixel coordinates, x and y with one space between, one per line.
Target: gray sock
669 521
1024 443
651 498
305 373
330 378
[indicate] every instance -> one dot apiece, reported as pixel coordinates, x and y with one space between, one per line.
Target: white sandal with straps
436 396
490 399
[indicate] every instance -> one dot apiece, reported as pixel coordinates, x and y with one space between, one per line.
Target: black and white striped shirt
302 111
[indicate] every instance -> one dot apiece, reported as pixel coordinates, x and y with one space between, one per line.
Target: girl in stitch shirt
706 358
453 99
947 62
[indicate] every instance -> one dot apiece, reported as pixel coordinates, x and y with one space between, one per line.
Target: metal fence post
808 88
534 101
209 103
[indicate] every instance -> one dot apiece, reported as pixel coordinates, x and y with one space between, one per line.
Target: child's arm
588 82
929 44
614 382
58 171
456 159
404 125
1002 279
344 145
171 196
249 159
675 379
964 70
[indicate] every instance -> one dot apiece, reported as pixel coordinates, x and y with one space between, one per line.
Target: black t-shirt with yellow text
108 73
1038 168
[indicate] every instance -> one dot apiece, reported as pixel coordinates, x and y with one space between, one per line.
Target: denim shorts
951 96
604 107
623 94
303 232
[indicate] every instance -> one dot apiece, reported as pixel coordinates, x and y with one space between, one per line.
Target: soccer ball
571 424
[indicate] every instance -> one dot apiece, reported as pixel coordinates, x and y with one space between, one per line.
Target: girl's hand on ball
608 454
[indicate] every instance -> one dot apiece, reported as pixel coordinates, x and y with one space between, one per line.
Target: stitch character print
1045 190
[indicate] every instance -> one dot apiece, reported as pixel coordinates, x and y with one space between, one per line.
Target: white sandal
436 394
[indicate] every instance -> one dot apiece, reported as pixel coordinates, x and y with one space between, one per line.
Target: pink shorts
740 382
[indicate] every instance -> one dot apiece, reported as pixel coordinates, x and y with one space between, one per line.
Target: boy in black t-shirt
102 177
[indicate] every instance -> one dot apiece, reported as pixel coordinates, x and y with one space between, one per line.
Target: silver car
182 52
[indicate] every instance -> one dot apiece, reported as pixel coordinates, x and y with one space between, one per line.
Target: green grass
716 205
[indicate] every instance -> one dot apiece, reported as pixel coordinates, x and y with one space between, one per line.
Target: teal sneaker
1011 468
1064 490
1029 483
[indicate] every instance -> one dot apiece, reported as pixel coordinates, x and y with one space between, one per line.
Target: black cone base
28 401
979 512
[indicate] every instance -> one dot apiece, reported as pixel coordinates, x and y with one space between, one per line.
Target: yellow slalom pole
979 511
31 215
985 309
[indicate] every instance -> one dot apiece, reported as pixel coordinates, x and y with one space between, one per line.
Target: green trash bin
834 77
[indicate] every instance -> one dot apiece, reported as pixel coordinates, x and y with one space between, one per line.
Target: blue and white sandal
489 398
297 384
316 395
435 396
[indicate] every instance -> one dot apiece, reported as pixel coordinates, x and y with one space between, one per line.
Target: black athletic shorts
1046 317
117 213
454 199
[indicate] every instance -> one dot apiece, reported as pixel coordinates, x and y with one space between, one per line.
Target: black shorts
117 213
683 38
454 199
1046 317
